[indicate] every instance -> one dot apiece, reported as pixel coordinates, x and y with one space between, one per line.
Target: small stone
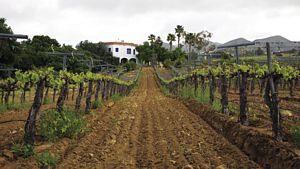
14 132
8 154
188 167
91 154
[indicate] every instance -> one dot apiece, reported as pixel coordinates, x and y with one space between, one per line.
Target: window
128 51
117 49
134 51
109 49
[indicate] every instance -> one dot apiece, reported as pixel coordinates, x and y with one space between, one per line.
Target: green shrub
168 62
96 104
46 159
131 65
54 124
22 150
296 134
115 97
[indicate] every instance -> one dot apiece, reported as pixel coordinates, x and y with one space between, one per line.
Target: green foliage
296 134
14 106
168 62
46 159
131 65
96 104
188 91
54 124
22 150
116 97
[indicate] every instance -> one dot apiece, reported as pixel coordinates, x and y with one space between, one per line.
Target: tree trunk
46 95
252 86
291 88
211 89
54 95
13 97
89 97
62 96
23 95
79 96
103 89
224 94
30 126
2 95
98 87
73 93
6 98
243 99
195 84
271 99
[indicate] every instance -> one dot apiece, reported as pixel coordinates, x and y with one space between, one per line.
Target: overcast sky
70 21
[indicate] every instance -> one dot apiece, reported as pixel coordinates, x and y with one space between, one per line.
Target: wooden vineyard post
271 100
30 126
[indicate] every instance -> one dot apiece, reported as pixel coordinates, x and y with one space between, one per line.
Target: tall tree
171 38
151 38
179 30
8 47
190 40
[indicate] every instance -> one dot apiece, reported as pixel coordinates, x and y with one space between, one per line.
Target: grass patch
96 104
54 125
14 106
22 150
45 160
115 97
47 100
202 97
165 90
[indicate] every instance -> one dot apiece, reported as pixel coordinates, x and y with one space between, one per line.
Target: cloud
70 21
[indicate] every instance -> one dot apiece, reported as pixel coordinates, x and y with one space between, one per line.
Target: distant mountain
277 38
277 43
236 41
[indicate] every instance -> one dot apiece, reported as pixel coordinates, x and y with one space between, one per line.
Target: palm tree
190 40
171 38
151 38
179 30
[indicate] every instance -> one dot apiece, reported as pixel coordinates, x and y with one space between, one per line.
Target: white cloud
70 21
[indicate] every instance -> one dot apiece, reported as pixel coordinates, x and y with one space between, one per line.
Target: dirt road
150 130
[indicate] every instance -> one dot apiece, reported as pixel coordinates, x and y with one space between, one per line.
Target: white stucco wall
122 53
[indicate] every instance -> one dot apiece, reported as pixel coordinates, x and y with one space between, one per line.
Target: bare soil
150 130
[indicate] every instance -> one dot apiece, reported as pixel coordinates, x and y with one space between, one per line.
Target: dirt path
149 130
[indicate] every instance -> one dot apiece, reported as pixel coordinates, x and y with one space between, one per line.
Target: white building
123 50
